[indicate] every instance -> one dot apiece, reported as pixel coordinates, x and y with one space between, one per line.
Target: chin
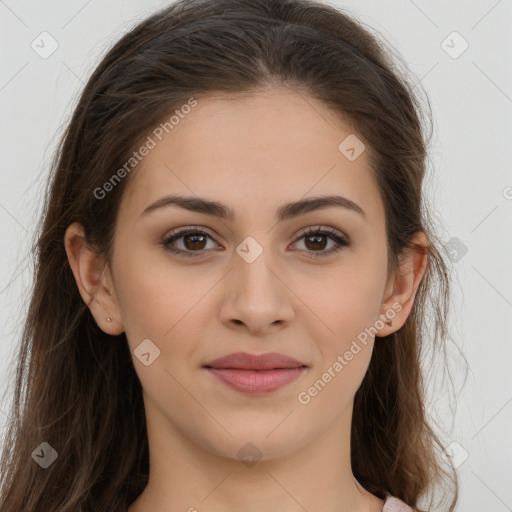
251 444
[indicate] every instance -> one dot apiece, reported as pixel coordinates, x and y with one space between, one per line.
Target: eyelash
340 241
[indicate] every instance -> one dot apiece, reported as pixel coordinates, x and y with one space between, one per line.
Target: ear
93 279
403 284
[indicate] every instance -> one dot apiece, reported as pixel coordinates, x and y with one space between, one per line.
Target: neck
316 477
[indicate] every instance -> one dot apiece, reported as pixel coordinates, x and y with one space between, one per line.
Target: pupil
194 242
315 237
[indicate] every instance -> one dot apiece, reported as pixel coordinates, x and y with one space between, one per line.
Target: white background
471 185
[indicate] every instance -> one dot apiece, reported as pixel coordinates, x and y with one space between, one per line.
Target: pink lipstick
255 373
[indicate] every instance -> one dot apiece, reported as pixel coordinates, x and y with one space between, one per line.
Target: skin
253 154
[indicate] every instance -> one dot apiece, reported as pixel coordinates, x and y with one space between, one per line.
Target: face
257 281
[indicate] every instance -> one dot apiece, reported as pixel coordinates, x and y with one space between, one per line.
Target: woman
233 274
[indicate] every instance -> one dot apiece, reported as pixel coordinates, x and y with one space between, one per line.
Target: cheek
334 380
345 355
342 303
164 304
156 296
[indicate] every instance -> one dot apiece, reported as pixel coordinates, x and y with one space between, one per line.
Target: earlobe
92 278
403 285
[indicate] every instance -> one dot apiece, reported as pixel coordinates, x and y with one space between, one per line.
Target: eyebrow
285 212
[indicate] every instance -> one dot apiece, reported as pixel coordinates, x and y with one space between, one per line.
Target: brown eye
316 241
193 242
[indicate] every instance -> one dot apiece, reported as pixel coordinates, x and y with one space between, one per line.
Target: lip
255 373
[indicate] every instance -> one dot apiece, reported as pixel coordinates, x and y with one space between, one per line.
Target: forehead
254 152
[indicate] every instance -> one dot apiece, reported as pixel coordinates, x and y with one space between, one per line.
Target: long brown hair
76 388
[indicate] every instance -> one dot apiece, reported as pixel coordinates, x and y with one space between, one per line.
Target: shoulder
392 504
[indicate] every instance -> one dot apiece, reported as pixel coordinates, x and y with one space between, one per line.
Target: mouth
255 374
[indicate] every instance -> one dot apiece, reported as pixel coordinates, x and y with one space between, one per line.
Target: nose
256 297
